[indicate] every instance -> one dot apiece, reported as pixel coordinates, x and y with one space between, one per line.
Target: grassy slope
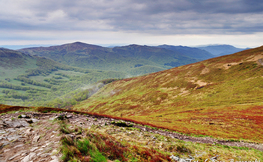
219 97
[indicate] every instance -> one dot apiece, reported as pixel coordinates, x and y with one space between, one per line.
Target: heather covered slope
219 97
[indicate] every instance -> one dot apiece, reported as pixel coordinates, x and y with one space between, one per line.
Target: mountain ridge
223 49
189 51
122 59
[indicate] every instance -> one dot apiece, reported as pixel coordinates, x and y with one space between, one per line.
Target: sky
123 22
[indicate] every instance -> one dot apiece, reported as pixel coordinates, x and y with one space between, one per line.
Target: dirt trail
201 139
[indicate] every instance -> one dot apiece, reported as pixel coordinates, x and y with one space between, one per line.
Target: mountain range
132 59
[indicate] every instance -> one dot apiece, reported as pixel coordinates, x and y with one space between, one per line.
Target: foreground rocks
27 139
33 136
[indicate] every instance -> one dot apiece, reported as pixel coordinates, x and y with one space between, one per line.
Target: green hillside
124 59
219 97
38 81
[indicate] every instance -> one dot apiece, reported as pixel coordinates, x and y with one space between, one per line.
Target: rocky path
202 139
36 137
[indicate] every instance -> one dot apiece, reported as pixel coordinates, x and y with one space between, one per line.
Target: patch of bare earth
205 71
256 58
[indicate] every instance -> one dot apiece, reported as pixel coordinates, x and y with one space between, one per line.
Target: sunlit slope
221 97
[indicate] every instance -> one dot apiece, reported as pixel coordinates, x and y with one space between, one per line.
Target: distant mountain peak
221 49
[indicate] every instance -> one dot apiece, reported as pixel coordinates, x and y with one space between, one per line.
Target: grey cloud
154 16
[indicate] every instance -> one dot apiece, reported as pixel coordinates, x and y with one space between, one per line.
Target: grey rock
35 139
1 124
13 138
7 150
182 160
19 146
28 131
175 158
4 143
2 137
52 118
29 157
35 120
11 130
11 158
32 120
33 149
54 159
45 155
23 116
68 116
16 124
54 152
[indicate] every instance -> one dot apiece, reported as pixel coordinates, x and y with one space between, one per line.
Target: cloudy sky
122 22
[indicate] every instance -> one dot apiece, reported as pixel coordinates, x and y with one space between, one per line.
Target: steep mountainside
220 50
124 59
189 51
220 97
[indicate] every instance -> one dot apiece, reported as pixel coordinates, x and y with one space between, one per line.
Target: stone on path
14 157
29 157
35 139
54 159
16 124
